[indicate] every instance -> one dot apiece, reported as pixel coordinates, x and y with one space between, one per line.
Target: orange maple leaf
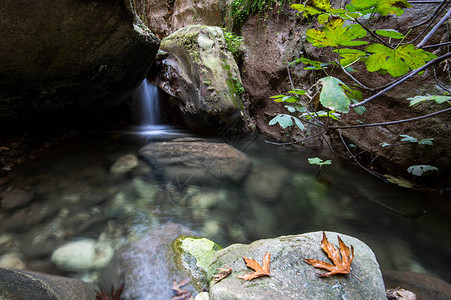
259 270
342 265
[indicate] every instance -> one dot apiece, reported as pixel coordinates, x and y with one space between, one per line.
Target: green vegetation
242 9
347 32
233 43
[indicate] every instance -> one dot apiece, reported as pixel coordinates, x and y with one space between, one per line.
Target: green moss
201 249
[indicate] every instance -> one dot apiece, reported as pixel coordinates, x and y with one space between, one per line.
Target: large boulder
202 77
17 285
291 277
196 162
69 54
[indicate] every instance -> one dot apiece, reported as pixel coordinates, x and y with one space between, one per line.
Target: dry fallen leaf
223 273
181 293
115 295
400 294
342 265
259 270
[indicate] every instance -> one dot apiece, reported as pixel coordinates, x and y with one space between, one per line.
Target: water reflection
73 194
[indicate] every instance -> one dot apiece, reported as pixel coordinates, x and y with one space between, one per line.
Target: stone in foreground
291 277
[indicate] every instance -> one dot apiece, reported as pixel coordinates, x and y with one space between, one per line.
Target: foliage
242 9
318 161
418 170
259 270
342 265
347 33
233 43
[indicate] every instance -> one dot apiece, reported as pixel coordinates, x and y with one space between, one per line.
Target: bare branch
413 73
392 122
436 27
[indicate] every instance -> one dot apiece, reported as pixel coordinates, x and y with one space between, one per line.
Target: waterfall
146 104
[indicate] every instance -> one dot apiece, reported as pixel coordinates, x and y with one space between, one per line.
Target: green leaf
296 108
396 61
349 56
383 7
418 170
426 141
334 33
322 114
312 7
283 98
318 161
284 120
408 138
391 33
360 110
384 144
437 98
332 94
297 92
299 123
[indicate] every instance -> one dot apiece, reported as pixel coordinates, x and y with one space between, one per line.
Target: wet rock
197 161
147 266
17 285
194 254
202 77
13 199
124 164
266 186
291 278
82 255
70 54
423 285
12 261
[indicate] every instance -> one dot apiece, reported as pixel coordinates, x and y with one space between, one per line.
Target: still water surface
75 195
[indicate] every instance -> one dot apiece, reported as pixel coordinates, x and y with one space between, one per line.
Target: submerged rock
13 199
124 164
202 76
197 161
82 255
291 277
17 285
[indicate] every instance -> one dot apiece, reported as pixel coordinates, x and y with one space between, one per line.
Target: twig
437 45
438 83
373 34
355 80
392 122
436 27
357 161
295 142
413 73
430 20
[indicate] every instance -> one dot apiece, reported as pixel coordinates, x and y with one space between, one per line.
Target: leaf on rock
223 273
181 293
342 265
259 270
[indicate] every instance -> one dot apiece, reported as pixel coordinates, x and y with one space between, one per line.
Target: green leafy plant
347 32
233 43
418 170
318 161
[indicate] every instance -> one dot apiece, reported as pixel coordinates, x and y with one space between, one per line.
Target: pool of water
72 193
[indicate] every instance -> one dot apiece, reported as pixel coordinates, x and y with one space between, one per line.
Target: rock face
73 54
165 17
291 278
202 77
18 285
197 161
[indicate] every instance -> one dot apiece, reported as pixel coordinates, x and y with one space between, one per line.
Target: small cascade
147 106
146 112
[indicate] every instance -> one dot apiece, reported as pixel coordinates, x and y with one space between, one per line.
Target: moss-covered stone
202 75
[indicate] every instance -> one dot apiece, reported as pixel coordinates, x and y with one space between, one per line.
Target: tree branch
437 45
436 27
392 122
413 73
